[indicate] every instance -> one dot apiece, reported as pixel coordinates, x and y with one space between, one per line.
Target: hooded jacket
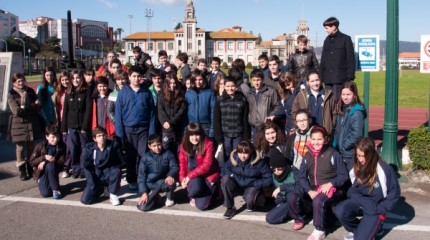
349 128
252 173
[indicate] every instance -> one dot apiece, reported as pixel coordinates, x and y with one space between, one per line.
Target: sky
270 18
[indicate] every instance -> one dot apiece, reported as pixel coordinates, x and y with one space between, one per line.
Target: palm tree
119 30
115 34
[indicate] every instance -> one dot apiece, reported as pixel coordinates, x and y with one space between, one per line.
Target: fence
38 64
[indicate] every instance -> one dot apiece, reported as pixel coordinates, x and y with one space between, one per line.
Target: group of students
266 135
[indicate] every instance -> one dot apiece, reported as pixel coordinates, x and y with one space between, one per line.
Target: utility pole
130 17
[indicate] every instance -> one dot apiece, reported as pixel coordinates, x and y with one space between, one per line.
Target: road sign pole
366 102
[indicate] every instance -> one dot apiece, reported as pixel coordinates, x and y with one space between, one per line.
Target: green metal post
366 102
389 150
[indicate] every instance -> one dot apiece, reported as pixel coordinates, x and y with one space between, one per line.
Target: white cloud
107 3
165 2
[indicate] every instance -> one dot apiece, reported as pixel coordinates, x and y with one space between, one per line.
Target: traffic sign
367 50
425 54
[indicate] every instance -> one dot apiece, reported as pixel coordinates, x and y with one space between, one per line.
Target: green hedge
419 147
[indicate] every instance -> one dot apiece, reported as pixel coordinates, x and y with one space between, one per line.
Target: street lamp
23 49
149 13
29 62
5 43
101 42
77 47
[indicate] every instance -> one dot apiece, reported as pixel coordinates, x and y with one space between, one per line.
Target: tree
178 26
115 34
119 30
259 39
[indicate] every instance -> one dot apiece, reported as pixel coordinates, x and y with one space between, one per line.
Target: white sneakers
114 199
349 236
169 202
317 235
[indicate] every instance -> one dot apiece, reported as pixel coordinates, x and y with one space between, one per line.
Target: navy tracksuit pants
75 142
110 177
48 180
323 216
154 195
230 187
202 191
363 229
137 138
290 206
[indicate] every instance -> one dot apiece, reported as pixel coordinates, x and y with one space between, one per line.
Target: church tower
189 26
303 28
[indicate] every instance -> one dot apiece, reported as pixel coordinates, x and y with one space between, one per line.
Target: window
151 46
282 53
273 52
169 46
130 46
179 43
160 46
230 59
250 45
199 52
199 42
240 45
230 45
220 46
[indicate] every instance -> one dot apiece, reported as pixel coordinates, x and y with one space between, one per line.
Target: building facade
8 26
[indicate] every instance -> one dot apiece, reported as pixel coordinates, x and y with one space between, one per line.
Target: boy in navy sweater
157 172
134 121
103 160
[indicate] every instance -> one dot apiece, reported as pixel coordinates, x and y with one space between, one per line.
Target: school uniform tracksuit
153 170
101 168
372 204
134 121
316 171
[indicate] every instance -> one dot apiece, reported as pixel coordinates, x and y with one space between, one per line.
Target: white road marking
183 213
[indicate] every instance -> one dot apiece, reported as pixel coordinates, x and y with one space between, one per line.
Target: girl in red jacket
198 172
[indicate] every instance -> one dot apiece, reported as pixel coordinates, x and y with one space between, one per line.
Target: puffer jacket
252 173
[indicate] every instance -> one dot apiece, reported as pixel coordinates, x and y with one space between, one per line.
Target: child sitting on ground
157 172
47 159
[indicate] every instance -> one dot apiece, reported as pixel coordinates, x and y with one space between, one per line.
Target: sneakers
169 202
193 202
317 235
298 225
114 199
65 174
132 186
349 236
229 213
56 194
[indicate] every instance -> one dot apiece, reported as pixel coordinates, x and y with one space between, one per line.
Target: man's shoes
298 225
114 199
132 186
193 202
56 194
317 235
229 213
169 202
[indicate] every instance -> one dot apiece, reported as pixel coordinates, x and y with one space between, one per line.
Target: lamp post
101 42
149 13
77 47
23 50
130 17
5 43
29 62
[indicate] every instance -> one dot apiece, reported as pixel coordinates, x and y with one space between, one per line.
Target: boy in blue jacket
157 172
247 172
134 121
103 160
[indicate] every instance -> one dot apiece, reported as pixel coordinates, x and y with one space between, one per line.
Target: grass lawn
414 87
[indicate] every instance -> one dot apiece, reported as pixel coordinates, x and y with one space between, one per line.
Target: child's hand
143 199
41 165
169 180
276 192
49 158
184 182
325 188
312 194
270 119
166 125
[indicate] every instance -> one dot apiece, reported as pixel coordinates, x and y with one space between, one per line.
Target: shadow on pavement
402 214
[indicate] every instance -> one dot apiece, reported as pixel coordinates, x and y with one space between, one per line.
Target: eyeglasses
302 120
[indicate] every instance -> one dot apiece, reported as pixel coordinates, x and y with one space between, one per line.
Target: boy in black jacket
48 159
157 172
103 160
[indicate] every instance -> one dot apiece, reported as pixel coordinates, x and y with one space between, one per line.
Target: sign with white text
367 49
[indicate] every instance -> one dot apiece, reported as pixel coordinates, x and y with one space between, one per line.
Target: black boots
22 172
25 171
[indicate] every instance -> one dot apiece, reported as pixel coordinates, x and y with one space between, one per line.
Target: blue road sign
367 50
